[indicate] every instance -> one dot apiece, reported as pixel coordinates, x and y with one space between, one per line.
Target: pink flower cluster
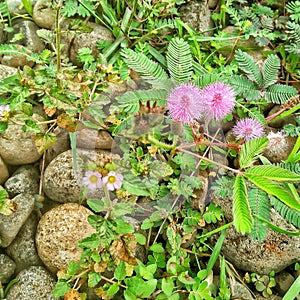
93 180
188 102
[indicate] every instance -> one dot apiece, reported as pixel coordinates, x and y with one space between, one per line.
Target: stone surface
198 16
16 7
35 283
58 232
17 61
16 146
284 121
6 71
284 280
24 180
10 225
276 252
22 250
93 139
7 268
89 40
62 144
3 171
30 38
44 14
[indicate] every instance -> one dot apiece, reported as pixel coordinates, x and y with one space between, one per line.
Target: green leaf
92 241
270 70
274 189
167 285
273 173
93 278
72 268
112 290
96 205
61 288
140 238
158 248
120 271
251 150
140 288
3 126
123 227
185 278
241 211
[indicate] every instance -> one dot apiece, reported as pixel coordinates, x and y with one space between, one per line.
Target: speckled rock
16 146
30 39
10 225
6 71
22 250
61 184
58 232
284 280
17 61
24 180
35 283
198 16
3 171
7 268
93 139
44 14
17 7
276 252
89 40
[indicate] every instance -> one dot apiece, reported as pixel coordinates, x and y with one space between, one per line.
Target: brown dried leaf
67 122
8 207
44 141
72 295
50 111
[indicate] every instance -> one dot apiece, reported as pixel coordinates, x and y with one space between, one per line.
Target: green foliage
241 211
179 60
260 205
258 83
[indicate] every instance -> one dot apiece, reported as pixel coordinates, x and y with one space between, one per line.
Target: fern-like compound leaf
245 87
274 173
250 151
274 189
180 60
149 70
290 215
260 205
204 80
249 66
241 211
131 101
270 70
280 93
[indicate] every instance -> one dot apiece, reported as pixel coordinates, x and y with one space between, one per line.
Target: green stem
58 35
154 141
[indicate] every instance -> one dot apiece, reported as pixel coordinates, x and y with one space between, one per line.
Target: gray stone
6 71
16 7
24 180
3 171
213 3
44 14
30 38
276 252
198 16
17 61
90 40
7 268
10 225
34 283
284 280
58 232
22 250
93 139
18 147
2 36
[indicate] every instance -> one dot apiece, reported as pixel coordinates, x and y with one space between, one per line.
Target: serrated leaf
167 285
43 141
61 288
241 211
273 173
274 189
251 150
120 271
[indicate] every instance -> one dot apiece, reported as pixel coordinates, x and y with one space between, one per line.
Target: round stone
58 233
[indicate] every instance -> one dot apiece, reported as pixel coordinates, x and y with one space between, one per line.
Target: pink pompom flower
217 100
248 129
92 179
183 103
113 180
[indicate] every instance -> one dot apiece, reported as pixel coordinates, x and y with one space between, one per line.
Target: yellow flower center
112 179
93 179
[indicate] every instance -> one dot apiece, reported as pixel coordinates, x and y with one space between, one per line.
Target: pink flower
248 129
113 180
183 103
92 179
217 100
